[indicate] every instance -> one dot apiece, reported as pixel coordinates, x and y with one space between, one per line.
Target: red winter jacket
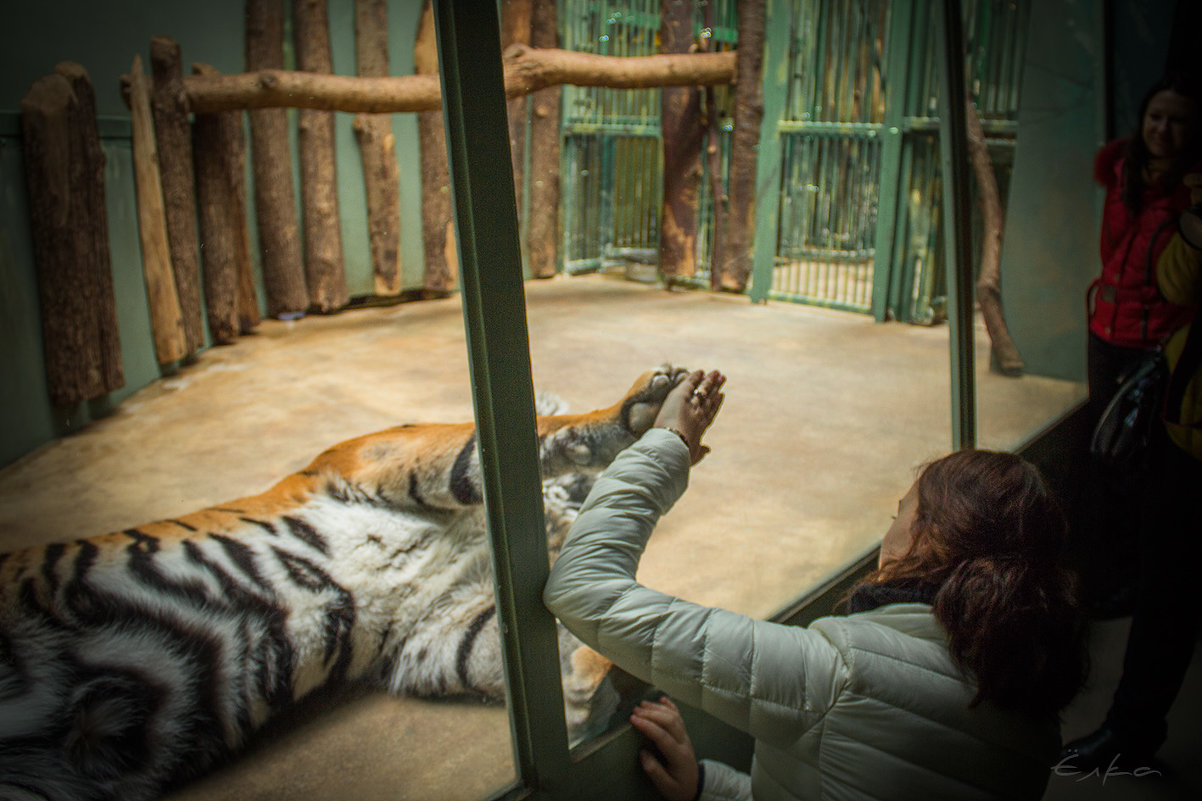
1126 307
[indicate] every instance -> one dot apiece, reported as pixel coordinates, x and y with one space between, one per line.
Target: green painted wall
104 38
1050 250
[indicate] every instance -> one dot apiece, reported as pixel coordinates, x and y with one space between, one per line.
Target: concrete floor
827 415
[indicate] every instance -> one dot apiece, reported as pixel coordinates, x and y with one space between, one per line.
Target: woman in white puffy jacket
945 681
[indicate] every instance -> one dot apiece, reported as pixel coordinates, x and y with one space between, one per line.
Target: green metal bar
957 229
768 159
891 178
494 312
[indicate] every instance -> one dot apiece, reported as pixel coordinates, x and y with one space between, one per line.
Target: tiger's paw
589 697
642 403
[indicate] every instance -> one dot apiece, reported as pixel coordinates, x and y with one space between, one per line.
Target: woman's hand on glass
669 759
691 407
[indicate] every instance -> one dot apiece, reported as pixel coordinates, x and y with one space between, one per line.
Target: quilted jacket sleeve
724 783
771 681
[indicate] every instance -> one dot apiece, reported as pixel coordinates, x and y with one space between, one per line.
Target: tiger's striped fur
135 660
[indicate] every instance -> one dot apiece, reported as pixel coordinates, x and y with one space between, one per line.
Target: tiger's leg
436 466
462 656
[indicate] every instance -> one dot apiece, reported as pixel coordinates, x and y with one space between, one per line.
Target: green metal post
957 239
494 311
890 184
768 160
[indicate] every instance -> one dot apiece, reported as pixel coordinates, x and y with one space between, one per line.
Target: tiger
135 661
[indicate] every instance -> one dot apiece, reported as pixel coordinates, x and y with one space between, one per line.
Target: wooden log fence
64 167
275 198
173 141
219 150
325 271
526 70
543 229
189 172
377 149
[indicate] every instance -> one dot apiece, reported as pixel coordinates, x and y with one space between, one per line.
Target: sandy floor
827 415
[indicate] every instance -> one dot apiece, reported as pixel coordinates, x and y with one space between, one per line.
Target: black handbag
1124 432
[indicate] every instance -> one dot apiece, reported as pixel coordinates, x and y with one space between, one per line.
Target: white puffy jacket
868 706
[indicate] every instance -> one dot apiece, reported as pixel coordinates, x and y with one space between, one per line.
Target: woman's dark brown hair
989 542
1137 155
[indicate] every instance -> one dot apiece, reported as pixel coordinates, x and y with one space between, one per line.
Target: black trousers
1107 542
1168 616
1152 521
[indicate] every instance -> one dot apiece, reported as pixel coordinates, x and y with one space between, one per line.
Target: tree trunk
736 261
680 117
62 240
516 24
96 256
275 198
543 226
377 148
218 146
526 70
173 138
325 272
989 279
438 230
713 155
170 342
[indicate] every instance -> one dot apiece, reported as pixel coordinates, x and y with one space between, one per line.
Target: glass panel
1049 219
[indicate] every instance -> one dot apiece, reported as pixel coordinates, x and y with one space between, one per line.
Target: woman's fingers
673 770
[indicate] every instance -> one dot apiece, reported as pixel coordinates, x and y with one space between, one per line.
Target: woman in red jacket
1144 197
1153 513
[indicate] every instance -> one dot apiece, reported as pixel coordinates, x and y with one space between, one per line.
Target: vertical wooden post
377 148
438 229
170 342
680 117
542 229
174 145
325 273
516 23
218 146
275 198
96 256
61 224
737 257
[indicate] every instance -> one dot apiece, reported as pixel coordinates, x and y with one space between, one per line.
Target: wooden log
736 262
217 145
526 70
438 228
680 115
275 198
713 156
516 30
325 272
71 355
377 148
173 137
542 229
97 258
166 320
1006 358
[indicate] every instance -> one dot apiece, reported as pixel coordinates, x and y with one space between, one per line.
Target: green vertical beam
890 183
494 311
957 231
768 159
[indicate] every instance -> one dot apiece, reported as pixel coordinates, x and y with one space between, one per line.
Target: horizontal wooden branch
526 70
